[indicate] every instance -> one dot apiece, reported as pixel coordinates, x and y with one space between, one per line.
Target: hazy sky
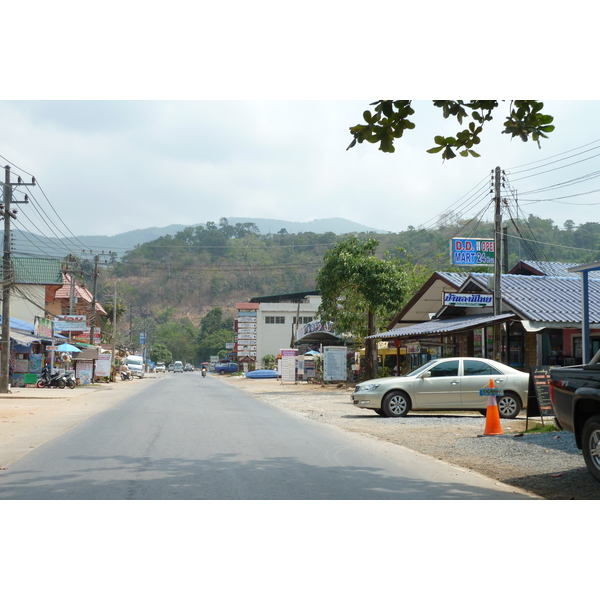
112 166
133 118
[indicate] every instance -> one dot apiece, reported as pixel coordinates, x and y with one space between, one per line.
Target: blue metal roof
439 327
554 269
456 279
547 299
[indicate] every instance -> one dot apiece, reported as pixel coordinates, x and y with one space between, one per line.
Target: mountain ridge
123 242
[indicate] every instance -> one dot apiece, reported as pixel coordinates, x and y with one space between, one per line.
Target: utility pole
114 330
7 275
93 315
71 274
497 263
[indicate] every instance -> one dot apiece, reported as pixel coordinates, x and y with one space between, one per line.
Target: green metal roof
38 271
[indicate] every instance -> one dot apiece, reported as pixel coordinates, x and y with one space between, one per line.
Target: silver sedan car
446 384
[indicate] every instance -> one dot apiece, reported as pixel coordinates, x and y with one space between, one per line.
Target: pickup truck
575 397
223 368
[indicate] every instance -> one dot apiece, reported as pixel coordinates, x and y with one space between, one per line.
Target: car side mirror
426 375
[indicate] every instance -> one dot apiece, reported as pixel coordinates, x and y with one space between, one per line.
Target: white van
135 363
177 367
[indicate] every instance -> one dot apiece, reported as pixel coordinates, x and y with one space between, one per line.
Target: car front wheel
590 444
509 405
395 404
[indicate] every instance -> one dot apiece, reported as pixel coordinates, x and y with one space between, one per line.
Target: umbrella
68 348
313 353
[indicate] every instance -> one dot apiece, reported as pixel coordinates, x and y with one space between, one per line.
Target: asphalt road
185 437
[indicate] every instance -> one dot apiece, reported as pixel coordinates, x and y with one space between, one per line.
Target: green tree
269 361
160 353
214 333
391 118
360 292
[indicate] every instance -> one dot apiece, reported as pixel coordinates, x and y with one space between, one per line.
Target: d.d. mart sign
472 251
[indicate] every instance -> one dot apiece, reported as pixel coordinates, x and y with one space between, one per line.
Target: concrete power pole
497 263
7 275
93 315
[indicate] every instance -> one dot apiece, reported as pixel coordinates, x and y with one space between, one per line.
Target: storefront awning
440 327
23 339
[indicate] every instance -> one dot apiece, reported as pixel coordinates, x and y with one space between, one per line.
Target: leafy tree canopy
354 282
391 118
160 353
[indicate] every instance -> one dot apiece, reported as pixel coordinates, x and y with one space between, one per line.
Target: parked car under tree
445 384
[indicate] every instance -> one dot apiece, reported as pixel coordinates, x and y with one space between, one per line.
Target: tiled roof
80 291
36 271
548 299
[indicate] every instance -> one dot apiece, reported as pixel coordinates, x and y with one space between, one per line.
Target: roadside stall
84 365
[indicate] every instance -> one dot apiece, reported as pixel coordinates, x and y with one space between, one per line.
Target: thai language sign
472 251
465 299
334 363
70 323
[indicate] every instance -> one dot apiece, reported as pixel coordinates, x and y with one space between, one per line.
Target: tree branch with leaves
391 118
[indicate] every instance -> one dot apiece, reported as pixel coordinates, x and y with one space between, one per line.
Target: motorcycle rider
203 371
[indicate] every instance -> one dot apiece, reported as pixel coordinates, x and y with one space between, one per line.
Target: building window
275 320
303 320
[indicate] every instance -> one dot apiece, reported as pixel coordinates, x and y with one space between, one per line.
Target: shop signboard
472 251
539 403
35 363
84 336
43 327
83 371
103 364
288 365
21 365
467 299
334 363
70 323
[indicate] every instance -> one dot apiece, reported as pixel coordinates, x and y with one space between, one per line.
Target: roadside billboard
472 252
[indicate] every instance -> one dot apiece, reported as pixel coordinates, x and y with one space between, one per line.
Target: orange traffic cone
492 416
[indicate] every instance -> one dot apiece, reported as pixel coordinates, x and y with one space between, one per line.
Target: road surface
188 437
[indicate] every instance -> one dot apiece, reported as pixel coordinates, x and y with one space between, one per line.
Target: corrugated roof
551 269
456 279
439 327
547 299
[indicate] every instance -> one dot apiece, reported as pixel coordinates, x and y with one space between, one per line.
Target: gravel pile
547 464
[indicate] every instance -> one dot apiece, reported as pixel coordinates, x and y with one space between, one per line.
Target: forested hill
217 265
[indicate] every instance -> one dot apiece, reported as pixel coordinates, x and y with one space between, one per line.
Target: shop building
540 319
268 324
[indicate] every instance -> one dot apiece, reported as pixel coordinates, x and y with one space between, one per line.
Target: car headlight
369 387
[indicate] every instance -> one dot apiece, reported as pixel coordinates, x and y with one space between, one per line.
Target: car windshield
420 369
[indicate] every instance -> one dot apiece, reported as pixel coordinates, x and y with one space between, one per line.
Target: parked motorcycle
48 379
71 381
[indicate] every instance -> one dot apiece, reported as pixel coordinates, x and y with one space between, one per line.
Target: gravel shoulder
547 464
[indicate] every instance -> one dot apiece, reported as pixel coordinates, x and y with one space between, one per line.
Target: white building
268 324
